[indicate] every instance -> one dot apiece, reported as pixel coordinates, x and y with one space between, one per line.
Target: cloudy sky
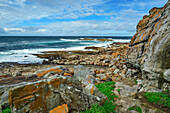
73 17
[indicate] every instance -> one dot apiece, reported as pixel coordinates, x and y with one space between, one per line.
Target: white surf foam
121 40
69 39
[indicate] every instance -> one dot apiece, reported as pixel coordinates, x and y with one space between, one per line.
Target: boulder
49 92
81 72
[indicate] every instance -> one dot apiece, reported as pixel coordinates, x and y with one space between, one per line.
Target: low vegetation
7 110
109 106
136 108
159 98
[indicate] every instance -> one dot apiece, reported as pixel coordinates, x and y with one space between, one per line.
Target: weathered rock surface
149 48
47 93
60 109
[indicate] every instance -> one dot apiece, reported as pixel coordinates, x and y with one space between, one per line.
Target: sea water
19 49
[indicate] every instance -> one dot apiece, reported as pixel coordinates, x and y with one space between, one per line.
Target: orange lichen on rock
116 75
3 76
55 82
60 109
97 71
34 94
67 74
42 73
92 90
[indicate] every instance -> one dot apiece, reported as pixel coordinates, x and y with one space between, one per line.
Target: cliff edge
149 49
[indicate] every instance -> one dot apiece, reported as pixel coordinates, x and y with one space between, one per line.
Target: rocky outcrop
48 92
149 48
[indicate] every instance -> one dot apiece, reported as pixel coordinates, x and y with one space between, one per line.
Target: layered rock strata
149 48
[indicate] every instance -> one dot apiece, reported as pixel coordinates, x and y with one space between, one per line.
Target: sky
73 17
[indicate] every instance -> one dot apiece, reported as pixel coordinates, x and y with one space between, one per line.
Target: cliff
149 49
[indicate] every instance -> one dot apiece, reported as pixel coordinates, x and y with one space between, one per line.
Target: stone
114 67
60 109
167 75
77 100
116 71
56 70
5 75
4 97
81 72
125 90
48 93
124 67
89 79
49 74
19 74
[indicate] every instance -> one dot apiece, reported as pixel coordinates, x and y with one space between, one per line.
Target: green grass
7 110
109 106
118 90
136 108
158 98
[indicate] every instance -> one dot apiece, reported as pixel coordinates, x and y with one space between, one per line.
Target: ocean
19 49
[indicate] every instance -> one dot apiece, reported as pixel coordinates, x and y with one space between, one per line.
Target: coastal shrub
160 98
109 106
7 110
136 108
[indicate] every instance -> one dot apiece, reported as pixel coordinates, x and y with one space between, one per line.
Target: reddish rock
60 109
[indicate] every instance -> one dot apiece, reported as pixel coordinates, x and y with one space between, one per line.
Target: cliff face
149 48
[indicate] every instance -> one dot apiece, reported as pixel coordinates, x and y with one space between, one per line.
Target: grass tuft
159 98
136 108
7 110
109 106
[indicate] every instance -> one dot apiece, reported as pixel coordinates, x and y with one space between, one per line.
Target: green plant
118 90
136 108
160 98
107 88
95 109
108 107
7 110
136 81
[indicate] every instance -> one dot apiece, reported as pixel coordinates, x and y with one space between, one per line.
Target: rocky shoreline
68 80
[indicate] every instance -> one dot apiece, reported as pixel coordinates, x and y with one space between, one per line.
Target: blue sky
73 17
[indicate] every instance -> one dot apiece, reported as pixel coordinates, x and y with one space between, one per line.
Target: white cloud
80 27
122 19
41 30
14 30
19 10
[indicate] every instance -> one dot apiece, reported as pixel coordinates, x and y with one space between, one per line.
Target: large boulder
47 93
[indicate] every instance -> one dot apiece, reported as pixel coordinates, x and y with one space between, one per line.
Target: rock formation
149 48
